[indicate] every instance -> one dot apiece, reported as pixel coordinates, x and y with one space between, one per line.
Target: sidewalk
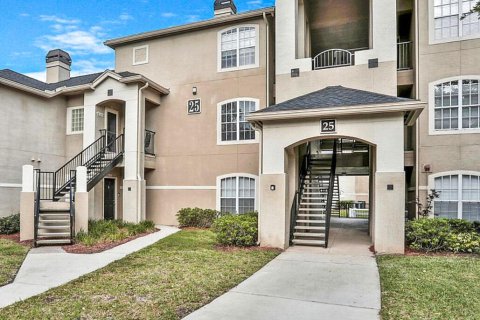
304 283
49 267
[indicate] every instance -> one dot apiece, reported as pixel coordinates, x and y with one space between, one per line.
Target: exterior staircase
313 202
55 191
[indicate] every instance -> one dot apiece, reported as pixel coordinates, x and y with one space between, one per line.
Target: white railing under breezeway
333 58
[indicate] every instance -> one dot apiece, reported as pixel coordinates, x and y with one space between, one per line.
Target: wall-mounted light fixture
272 187
194 91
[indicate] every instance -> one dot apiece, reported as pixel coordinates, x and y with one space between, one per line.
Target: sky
30 28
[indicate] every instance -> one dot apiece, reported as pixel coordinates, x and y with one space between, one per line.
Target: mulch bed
79 248
416 253
236 249
16 238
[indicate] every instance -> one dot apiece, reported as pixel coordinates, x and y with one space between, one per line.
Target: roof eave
22 87
113 43
415 106
142 79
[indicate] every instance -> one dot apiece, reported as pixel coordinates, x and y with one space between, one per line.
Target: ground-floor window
237 194
459 196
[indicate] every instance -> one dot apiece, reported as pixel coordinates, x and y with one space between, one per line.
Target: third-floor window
448 22
238 48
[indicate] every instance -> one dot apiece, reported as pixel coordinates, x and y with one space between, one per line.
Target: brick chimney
58 66
224 8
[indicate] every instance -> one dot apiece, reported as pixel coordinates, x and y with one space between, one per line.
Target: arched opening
330 190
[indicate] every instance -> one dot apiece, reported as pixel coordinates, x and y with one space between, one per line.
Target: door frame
115 112
115 197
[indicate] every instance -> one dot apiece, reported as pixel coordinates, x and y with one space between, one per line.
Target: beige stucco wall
186 147
444 152
33 128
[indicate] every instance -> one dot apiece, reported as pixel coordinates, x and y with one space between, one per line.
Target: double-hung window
448 22
233 126
459 197
457 105
237 194
75 120
238 48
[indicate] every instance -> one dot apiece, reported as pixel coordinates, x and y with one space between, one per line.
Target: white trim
181 187
116 198
460 174
431 27
146 55
431 106
69 120
219 122
10 185
257 48
236 175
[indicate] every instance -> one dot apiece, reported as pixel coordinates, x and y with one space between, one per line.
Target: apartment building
263 110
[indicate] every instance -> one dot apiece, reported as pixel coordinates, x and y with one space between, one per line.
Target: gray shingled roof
332 97
39 85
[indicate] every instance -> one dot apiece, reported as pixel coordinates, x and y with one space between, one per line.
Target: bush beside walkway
167 280
424 287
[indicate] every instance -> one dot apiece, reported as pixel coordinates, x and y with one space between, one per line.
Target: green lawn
420 287
11 258
167 280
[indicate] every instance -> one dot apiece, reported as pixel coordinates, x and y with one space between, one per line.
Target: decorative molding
181 188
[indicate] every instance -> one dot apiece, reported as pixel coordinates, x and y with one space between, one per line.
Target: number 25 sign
194 106
328 126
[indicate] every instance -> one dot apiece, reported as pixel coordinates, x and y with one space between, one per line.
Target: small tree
425 211
475 9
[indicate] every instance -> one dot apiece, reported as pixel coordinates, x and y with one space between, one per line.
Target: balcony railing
149 142
333 58
404 55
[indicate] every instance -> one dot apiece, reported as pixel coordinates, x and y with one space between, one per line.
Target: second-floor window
233 127
75 120
457 105
448 22
238 48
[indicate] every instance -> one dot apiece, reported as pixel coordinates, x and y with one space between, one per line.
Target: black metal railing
45 184
150 142
354 210
73 183
404 55
331 187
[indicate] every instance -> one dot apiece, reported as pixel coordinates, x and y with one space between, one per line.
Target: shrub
10 224
237 230
432 235
196 217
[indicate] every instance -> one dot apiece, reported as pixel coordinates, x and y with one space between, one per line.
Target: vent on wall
140 55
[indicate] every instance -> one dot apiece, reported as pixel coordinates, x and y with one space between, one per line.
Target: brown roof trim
218 21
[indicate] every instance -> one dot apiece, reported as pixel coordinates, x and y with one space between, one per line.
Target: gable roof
42 86
331 97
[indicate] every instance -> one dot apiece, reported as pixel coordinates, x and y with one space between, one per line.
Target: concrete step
54 241
308 215
309 242
54 206
309 234
312 209
310 228
54 227
54 234
311 221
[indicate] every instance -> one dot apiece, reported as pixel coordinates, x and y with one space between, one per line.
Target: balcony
404 56
333 58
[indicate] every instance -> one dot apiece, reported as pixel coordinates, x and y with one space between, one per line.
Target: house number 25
328 126
194 106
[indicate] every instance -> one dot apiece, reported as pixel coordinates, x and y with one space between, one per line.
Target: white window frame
460 174
431 27
257 48
69 120
431 107
219 122
236 175
136 63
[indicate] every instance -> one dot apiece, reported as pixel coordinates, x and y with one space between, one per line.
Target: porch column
27 204
81 200
134 157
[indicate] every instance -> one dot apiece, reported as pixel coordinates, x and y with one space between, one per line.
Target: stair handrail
73 183
81 159
36 214
331 186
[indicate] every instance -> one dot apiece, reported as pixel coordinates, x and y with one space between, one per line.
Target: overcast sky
30 28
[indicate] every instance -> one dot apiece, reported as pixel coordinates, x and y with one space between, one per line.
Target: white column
27 204
81 200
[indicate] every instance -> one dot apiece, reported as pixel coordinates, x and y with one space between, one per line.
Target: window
233 126
237 194
456 105
447 16
140 55
238 48
75 120
459 196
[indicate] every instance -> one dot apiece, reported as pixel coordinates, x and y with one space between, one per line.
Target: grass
167 280
105 231
422 287
12 255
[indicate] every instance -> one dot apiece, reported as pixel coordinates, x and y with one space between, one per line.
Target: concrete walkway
49 267
305 283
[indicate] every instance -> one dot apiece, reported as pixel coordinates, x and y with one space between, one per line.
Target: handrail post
333 169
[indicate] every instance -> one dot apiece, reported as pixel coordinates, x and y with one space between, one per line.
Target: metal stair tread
309 234
322 221
310 228
309 242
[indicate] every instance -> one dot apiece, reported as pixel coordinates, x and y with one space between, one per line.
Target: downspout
139 153
417 94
